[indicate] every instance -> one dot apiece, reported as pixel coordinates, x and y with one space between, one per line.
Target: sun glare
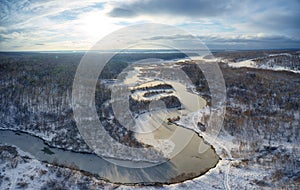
96 25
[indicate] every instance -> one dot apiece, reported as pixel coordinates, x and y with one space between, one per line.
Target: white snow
246 63
252 64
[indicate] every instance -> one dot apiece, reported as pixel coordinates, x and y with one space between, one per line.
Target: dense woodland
262 110
36 95
36 90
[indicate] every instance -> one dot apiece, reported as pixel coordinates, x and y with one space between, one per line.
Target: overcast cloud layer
77 25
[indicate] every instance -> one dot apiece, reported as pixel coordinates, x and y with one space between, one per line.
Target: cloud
254 16
276 17
121 12
26 24
19 12
287 22
79 24
190 8
258 41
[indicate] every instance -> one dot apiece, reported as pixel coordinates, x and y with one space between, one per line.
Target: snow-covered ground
270 62
19 170
230 173
241 166
252 64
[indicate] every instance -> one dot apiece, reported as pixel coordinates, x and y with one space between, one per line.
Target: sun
96 25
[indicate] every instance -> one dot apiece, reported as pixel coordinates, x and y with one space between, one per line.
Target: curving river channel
185 163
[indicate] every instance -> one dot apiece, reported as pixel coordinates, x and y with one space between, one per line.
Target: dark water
162 173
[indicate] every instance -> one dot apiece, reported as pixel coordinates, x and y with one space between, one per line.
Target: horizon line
132 50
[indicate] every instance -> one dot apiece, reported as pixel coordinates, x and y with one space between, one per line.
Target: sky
42 25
